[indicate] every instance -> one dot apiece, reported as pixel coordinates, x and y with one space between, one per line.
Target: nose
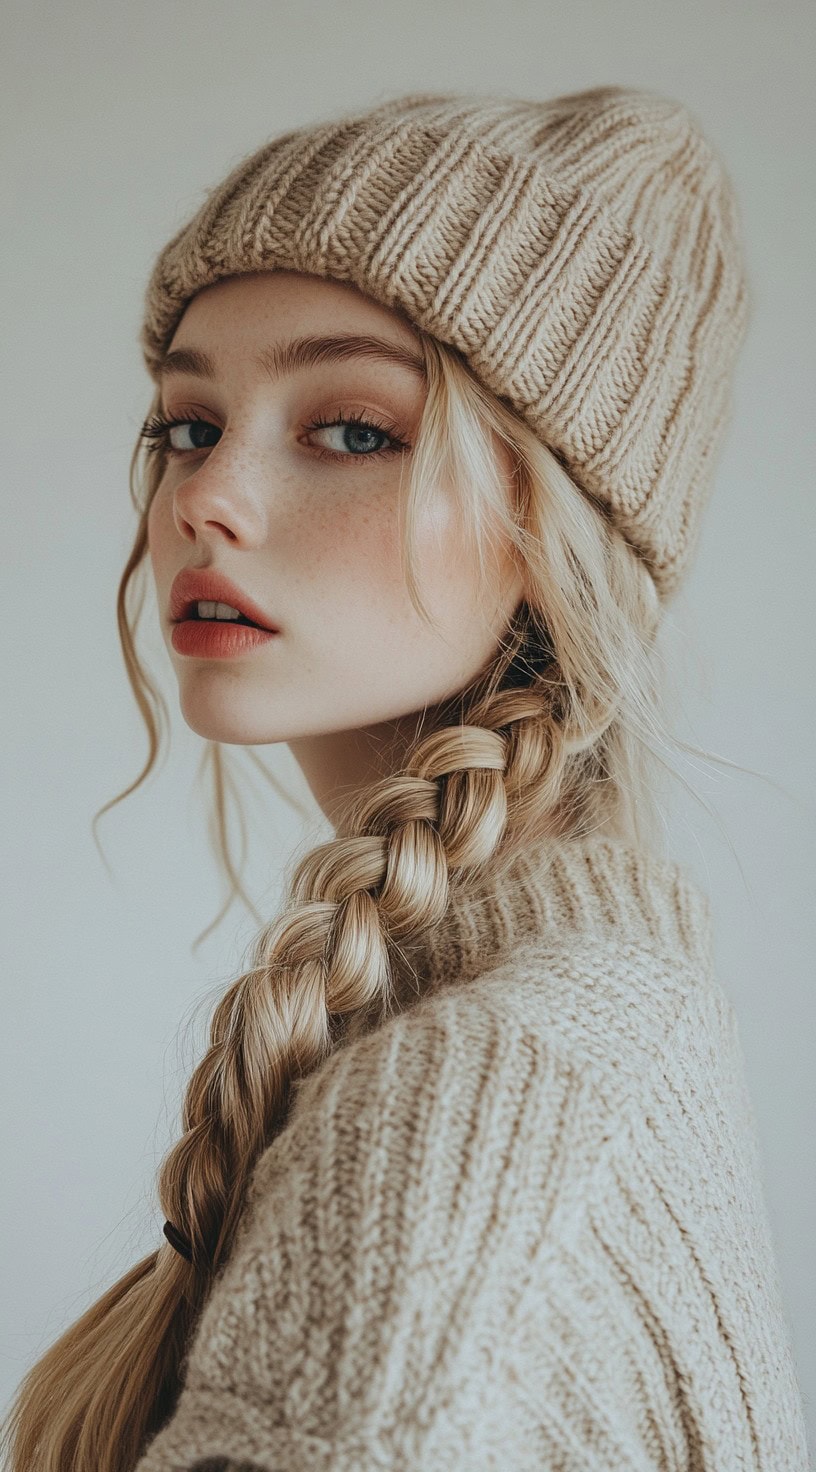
219 502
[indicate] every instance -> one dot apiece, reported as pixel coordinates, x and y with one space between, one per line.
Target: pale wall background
117 117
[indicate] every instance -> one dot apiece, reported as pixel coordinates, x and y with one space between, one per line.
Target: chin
226 718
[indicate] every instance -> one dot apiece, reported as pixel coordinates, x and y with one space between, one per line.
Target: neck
337 765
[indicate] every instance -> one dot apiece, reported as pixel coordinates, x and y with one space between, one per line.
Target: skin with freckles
305 521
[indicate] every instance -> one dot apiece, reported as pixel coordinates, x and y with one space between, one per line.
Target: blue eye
354 436
351 435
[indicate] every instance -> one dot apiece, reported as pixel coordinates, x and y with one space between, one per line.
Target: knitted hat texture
582 254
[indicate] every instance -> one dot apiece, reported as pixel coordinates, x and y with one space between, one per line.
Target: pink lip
203 639
196 585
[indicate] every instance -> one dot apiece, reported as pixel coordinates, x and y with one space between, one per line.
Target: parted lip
204 584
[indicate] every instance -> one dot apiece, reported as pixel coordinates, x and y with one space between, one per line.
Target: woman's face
269 485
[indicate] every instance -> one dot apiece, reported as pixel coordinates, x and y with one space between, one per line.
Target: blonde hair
556 737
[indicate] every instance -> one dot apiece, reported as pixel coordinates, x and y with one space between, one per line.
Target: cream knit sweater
520 1225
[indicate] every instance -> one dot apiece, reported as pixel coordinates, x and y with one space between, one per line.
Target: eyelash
156 433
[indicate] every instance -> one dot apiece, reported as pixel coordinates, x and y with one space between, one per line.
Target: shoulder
612 1006
510 1086
450 1079
601 1018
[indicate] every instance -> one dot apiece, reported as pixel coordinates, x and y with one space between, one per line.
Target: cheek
162 547
152 525
351 567
161 531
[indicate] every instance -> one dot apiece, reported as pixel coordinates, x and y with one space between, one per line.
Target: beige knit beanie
581 253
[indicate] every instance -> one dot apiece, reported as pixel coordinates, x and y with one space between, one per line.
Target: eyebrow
301 352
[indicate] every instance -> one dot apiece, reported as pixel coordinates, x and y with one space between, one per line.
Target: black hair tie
176 1240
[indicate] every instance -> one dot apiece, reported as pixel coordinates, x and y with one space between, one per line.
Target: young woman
467 1177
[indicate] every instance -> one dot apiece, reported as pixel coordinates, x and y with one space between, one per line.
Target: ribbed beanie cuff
582 254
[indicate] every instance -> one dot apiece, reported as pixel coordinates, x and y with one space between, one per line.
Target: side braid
329 955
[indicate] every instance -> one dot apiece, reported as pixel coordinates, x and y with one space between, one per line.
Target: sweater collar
558 890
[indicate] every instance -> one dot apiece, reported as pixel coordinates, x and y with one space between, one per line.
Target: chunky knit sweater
520 1225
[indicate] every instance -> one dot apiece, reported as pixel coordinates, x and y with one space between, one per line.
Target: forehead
283 324
281 303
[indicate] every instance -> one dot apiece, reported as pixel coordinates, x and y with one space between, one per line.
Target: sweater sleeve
389 1233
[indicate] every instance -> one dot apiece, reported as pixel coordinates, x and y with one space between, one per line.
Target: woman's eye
190 434
354 437
176 436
